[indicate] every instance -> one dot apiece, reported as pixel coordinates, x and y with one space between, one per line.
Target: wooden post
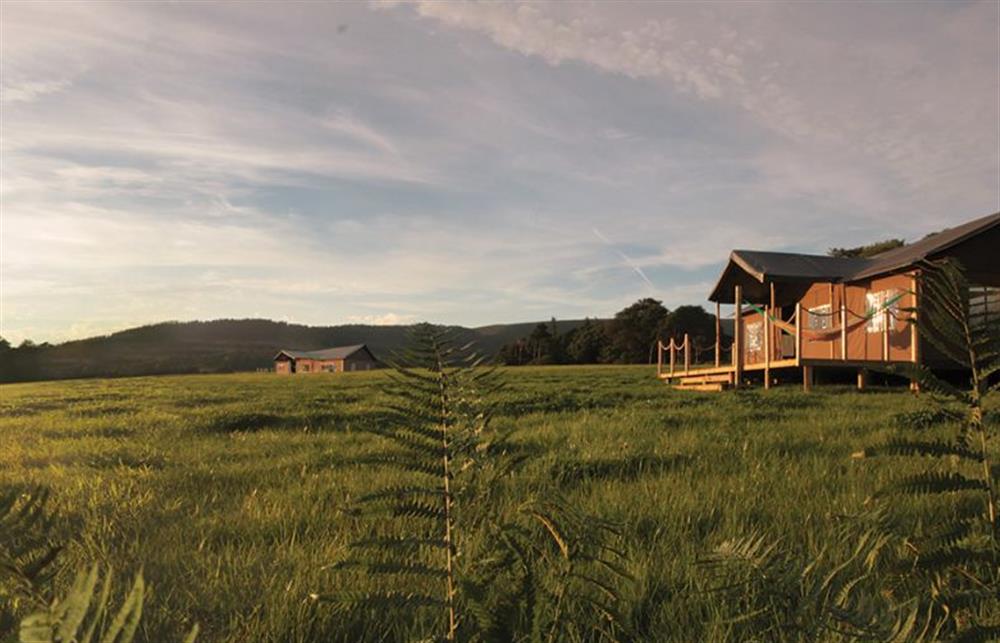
718 334
914 331
862 379
687 353
798 333
885 334
659 358
673 356
767 345
807 378
843 330
773 299
833 346
738 338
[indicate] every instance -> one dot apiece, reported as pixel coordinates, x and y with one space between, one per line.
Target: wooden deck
674 360
720 378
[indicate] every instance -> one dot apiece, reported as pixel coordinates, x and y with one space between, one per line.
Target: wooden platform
720 378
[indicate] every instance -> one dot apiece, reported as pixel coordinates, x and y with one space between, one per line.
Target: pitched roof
788 265
337 352
794 267
927 247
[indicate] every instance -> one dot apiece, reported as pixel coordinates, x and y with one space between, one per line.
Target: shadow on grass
100 411
99 461
630 468
99 432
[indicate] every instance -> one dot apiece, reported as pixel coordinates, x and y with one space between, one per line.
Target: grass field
227 490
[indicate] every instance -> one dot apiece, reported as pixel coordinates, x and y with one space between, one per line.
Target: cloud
452 161
881 99
385 319
28 91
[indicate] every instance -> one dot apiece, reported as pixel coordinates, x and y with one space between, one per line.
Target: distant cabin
800 311
329 360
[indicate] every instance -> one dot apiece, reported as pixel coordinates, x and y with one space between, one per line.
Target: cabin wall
319 365
283 367
820 307
864 337
821 337
359 362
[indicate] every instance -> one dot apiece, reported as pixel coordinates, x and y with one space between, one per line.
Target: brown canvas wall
821 337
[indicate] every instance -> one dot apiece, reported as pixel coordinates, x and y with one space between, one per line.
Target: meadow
229 491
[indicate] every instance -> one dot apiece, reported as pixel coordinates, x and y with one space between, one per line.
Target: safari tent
800 311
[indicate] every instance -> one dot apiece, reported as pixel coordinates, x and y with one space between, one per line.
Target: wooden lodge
330 360
809 312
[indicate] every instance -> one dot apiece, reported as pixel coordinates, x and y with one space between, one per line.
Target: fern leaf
399 461
404 543
417 509
936 448
398 492
936 482
392 567
379 600
979 634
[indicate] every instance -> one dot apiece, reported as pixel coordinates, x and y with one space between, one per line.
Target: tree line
629 338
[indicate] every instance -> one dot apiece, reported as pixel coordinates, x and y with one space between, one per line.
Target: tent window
876 305
755 336
820 317
984 305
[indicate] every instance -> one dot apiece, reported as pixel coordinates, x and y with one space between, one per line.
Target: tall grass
232 492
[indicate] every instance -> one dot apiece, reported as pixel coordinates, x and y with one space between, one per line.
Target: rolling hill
219 346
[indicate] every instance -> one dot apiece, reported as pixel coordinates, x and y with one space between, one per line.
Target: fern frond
398 492
402 462
78 616
417 509
379 600
935 448
937 482
395 568
399 543
979 634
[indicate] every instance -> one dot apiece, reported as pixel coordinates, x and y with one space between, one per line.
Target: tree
540 343
869 250
635 329
587 344
692 320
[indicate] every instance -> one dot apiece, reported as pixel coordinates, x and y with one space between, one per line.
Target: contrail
628 260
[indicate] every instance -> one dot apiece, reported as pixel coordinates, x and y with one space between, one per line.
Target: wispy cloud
628 260
459 161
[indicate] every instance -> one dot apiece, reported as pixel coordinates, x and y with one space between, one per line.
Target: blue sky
467 163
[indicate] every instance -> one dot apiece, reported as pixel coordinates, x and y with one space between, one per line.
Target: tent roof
754 269
337 352
927 247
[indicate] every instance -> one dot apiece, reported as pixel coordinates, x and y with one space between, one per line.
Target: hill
219 346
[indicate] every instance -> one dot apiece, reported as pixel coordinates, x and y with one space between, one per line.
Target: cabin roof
766 267
337 352
927 247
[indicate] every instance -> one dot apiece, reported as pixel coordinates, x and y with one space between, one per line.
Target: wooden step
706 379
711 386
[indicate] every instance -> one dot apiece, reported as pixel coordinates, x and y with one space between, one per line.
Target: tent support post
738 337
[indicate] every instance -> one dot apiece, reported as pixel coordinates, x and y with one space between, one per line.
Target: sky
467 163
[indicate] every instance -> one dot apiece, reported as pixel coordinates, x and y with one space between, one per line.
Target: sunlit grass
227 490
